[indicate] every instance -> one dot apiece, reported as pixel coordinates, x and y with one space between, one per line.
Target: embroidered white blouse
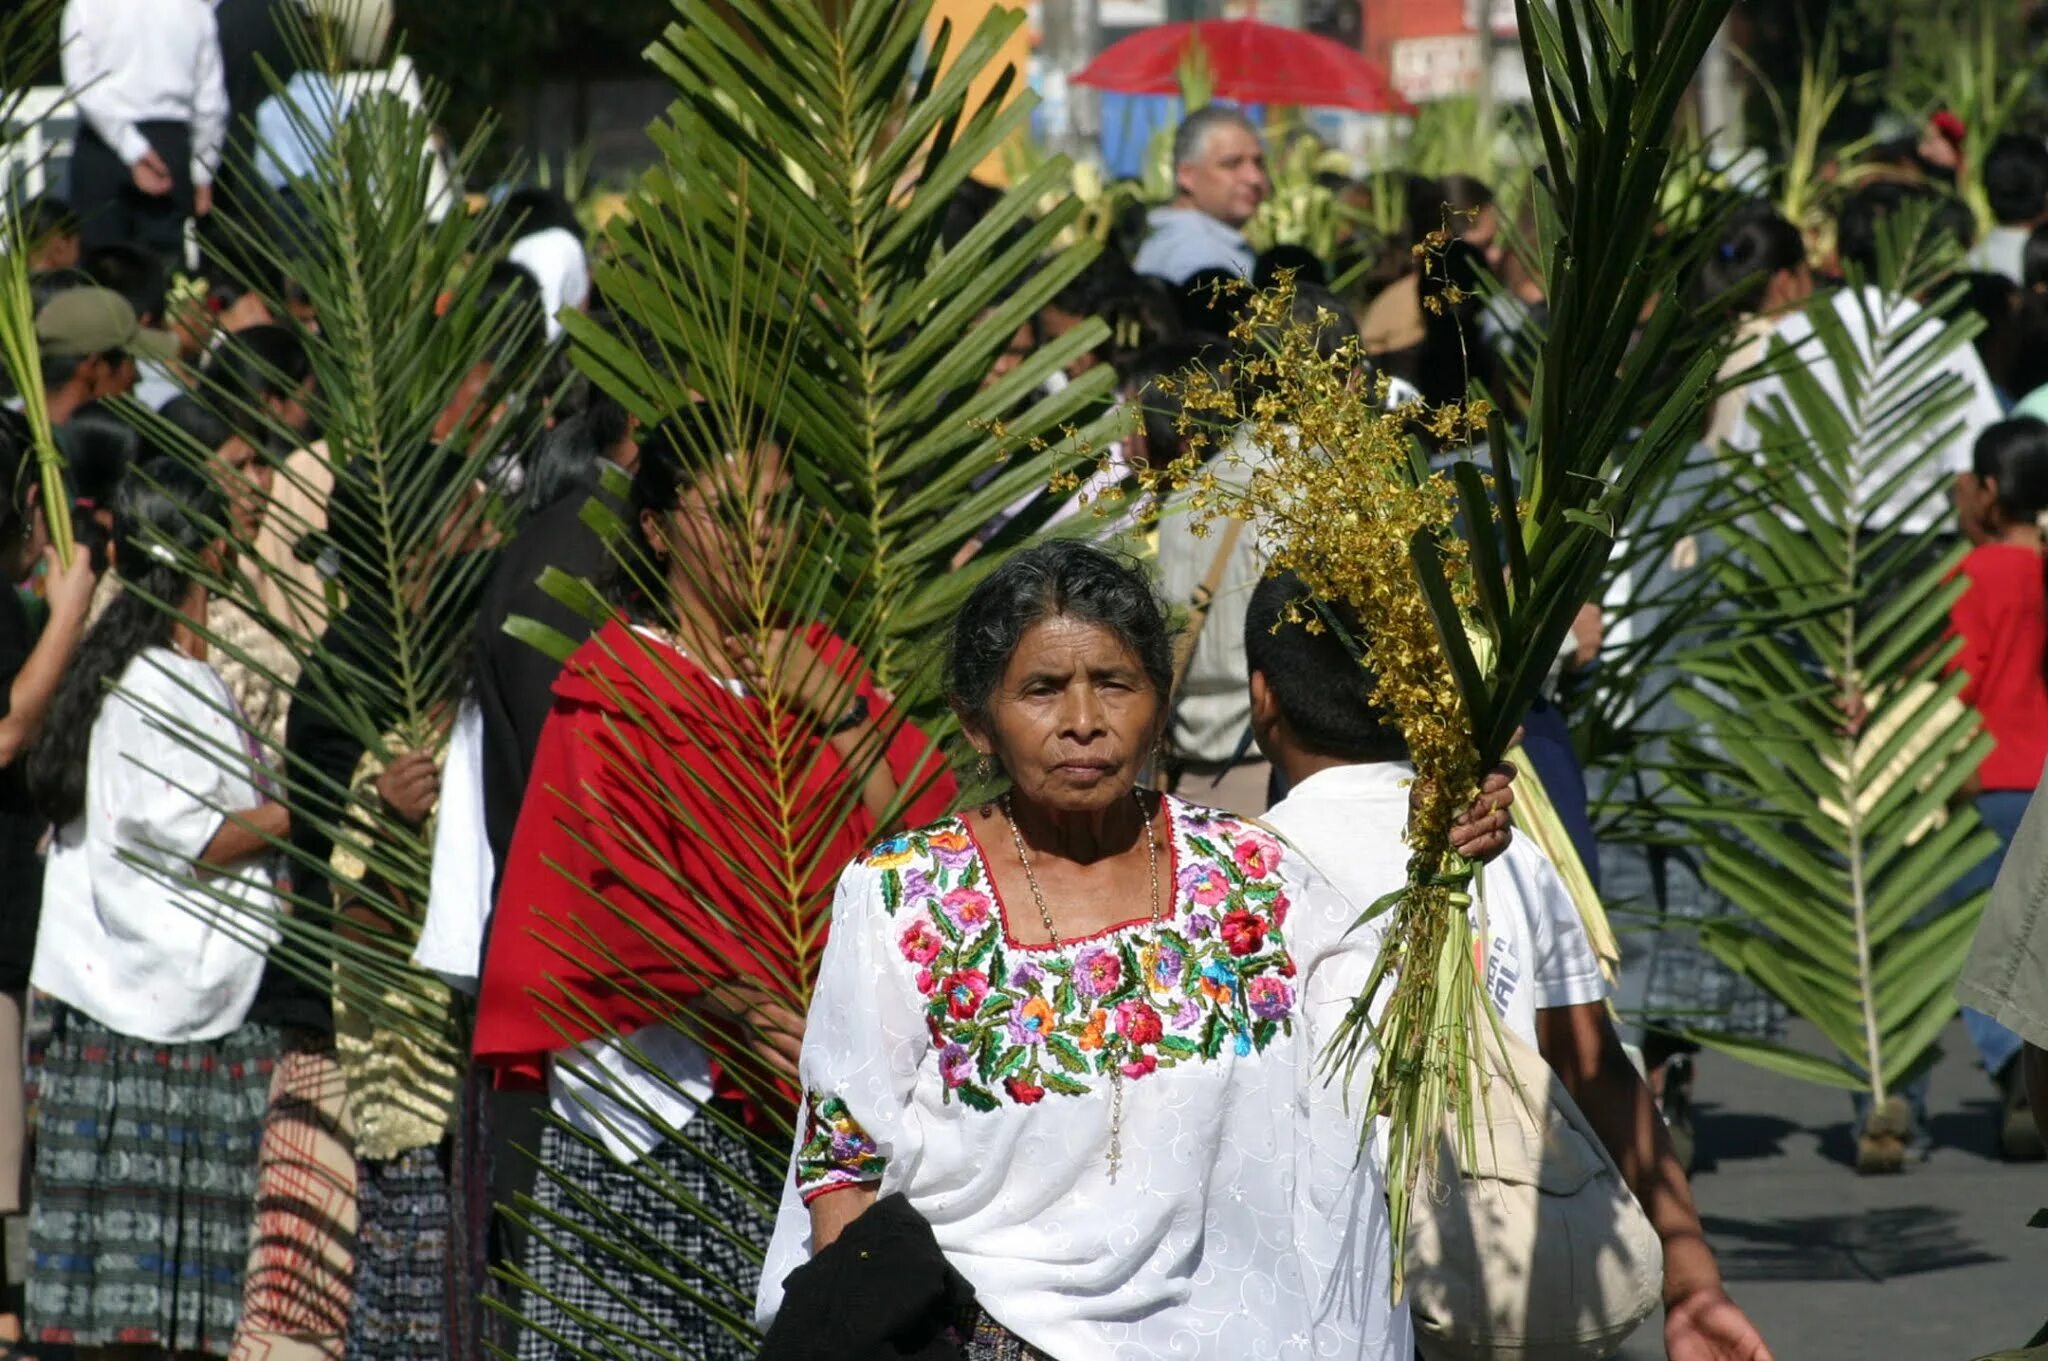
979 1076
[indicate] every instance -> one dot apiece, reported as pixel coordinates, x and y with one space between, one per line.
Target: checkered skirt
680 1256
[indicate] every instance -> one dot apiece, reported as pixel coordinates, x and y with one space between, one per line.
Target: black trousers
112 211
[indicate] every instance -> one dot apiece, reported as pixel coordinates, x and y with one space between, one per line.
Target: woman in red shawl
701 781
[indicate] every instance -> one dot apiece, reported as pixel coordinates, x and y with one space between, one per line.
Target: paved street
1935 1265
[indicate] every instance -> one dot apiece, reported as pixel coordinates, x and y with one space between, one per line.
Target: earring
984 768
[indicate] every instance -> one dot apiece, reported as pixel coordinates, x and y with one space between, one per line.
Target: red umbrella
1251 63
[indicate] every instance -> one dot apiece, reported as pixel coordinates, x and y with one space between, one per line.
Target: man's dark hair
2016 180
1140 311
1465 195
533 209
47 284
1755 244
1060 577
135 274
1856 228
1306 266
567 463
197 421
1210 300
2014 454
99 448
522 326
1322 689
972 201
46 217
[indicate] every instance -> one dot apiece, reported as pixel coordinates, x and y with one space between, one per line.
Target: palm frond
351 606
789 305
835 176
1838 843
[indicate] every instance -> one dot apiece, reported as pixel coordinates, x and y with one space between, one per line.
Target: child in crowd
2002 619
157 899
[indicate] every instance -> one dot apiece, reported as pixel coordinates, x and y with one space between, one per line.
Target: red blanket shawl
661 851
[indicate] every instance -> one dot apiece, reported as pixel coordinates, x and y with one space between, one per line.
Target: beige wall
965 15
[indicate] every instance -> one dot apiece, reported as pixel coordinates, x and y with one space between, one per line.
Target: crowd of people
1057 1093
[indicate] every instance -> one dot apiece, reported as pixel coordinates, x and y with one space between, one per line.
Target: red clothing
2003 621
654 858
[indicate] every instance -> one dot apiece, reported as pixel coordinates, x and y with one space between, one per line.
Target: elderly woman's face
1073 717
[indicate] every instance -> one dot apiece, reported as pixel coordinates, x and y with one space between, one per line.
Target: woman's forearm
35 685
833 1211
245 835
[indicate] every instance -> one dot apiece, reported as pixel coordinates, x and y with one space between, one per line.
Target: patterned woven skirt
145 1185
673 1209
402 1279
986 1340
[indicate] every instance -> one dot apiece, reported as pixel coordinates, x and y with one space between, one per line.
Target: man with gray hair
1219 168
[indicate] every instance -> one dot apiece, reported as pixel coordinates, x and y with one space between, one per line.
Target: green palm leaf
1842 871
402 321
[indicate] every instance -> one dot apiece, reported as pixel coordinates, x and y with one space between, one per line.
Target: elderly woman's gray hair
1062 577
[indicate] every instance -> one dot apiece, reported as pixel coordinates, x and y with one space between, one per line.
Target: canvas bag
1535 1250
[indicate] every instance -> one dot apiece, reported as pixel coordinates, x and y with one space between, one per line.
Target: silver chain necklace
1116 1072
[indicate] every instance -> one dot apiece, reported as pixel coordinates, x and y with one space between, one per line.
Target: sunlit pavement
1936 1264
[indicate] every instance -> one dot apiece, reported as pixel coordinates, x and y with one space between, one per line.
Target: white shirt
451 942
1351 821
2003 251
134 934
629 1093
944 1060
295 128
155 387
1919 503
558 263
1212 718
141 61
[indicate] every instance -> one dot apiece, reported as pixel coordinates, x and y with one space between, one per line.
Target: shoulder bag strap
1198 607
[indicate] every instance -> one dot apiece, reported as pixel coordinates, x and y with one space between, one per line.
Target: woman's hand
774 1030
410 786
69 590
785 665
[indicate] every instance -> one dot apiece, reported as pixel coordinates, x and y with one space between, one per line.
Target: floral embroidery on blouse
1015 1023
836 1151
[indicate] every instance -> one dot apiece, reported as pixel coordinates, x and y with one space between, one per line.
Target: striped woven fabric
145 1185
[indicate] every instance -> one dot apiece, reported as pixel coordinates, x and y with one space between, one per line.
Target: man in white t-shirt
1346 811
1902 477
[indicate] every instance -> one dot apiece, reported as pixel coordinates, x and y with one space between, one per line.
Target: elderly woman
1075 1028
